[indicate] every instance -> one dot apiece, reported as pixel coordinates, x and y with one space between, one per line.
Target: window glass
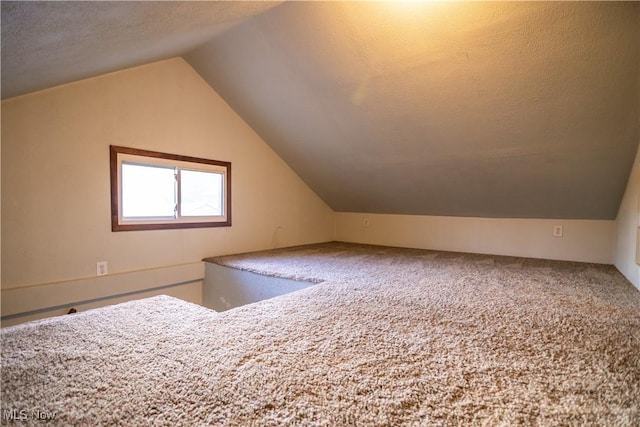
148 191
201 193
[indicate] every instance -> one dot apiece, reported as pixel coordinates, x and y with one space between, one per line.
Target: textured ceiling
465 109
468 109
45 44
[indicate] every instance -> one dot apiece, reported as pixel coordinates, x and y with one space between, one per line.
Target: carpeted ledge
389 337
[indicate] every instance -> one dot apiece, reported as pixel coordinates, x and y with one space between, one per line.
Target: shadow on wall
278 239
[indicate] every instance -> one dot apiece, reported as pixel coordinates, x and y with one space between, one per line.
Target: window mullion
178 194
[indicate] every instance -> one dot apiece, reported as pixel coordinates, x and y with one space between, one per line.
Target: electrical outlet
365 222
101 268
557 231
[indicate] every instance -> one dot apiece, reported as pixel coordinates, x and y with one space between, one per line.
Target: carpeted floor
387 337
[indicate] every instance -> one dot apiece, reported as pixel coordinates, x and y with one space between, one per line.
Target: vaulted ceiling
48 43
468 109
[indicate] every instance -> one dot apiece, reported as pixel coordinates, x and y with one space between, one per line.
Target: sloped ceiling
466 109
469 109
48 43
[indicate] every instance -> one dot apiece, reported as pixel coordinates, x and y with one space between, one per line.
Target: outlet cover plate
101 268
558 230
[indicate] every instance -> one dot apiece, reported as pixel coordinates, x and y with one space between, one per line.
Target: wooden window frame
135 225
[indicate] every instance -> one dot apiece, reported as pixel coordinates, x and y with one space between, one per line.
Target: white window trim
120 155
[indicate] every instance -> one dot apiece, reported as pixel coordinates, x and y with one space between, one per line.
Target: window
151 191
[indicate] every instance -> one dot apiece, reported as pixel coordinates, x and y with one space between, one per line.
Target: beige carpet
389 337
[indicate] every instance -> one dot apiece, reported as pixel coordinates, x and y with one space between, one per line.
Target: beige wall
35 302
627 224
55 179
583 240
